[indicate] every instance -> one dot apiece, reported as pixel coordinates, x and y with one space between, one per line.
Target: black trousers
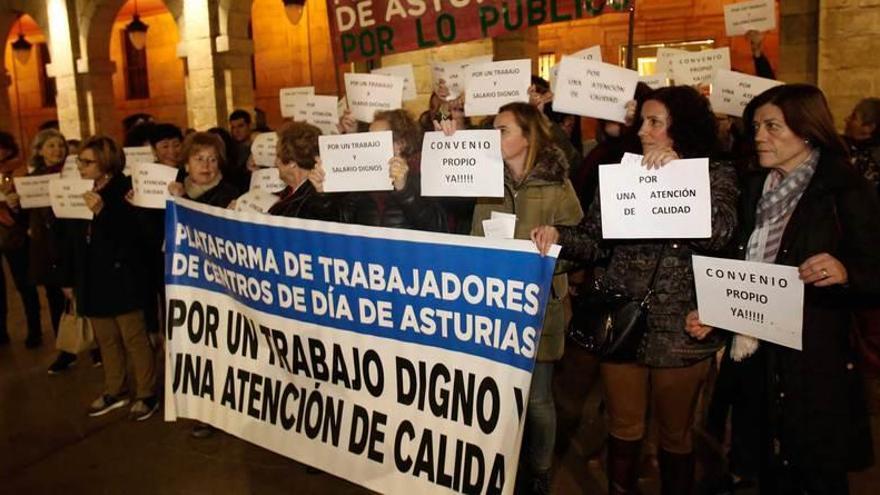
18 266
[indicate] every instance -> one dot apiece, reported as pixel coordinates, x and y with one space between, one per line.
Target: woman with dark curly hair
669 366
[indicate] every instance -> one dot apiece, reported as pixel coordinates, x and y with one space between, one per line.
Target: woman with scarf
203 155
805 207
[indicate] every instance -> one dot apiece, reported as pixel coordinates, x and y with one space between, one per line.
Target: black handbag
609 323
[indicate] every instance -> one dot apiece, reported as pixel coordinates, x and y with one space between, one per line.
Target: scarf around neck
194 191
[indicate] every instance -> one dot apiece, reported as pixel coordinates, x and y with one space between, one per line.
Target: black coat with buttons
815 416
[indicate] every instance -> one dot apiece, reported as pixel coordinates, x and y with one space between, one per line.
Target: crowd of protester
785 189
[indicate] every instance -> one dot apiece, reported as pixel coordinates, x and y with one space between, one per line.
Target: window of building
48 89
545 62
137 81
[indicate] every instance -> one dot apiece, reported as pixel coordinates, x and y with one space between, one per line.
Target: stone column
7 123
798 41
518 45
71 101
97 79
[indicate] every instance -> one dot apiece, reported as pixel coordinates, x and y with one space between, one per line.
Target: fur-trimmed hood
551 167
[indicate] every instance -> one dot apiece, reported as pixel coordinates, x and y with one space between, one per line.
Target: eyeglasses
209 159
85 162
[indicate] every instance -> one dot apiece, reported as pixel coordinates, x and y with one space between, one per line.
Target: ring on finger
824 273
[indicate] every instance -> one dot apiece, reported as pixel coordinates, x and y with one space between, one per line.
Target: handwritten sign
593 53
694 68
255 201
404 72
594 89
137 154
758 15
673 202
763 300
67 198
264 149
290 98
659 80
451 75
491 85
357 162
369 93
149 181
466 164
33 191
266 180
732 91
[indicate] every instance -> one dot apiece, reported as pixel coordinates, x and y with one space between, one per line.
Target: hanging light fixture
294 10
21 47
137 30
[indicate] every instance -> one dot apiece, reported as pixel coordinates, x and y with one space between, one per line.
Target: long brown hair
535 129
806 114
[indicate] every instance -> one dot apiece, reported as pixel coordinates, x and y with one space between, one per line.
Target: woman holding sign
666 366
806 207
103 271
537 191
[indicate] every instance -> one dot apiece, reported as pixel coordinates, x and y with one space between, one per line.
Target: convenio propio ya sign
366 29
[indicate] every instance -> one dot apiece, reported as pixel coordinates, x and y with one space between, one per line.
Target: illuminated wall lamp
137 30
21 48
294 10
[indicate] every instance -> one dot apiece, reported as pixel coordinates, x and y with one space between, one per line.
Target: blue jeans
540 430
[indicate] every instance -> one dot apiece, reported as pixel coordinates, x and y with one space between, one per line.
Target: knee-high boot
676 473
623 465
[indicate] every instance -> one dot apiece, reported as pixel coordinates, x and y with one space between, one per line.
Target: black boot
623 466
676 473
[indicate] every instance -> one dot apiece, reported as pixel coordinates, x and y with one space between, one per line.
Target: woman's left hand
823 270
694 327
93 201
176 189
317 175
398 172
659 158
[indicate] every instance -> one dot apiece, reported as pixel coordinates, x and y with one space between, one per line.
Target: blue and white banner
399 360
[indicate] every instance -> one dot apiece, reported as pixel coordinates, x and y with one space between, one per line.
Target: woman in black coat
203 157
807 208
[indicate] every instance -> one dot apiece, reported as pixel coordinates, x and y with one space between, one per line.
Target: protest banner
369 93
137 154
357 162
369 29
290 98
255 200
665 61
264 148
466 164
673 202
732 91
692 68
266 180
70 170
404 72
491 85
451 75
758 15
594 89
399 360
149 182
763 300
654 81
67 198
33 190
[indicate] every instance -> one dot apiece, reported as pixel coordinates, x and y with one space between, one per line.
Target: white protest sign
137 154
659 80
404 72
593 53
451 75
594 89
369 93
33 191
67 198
673 202
320 111
70 170
466 164
264 149
491 85
255 200
694 68
266 180
758 15
763 300
665 63
357 162
732 91
149 181
290 98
